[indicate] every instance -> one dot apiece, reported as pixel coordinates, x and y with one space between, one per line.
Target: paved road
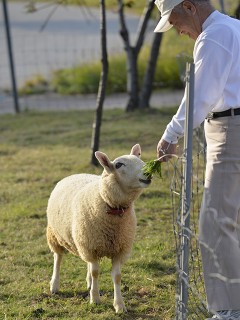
87 102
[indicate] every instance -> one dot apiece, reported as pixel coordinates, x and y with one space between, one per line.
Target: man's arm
211 72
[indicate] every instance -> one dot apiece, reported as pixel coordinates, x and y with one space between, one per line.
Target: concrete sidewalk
54 102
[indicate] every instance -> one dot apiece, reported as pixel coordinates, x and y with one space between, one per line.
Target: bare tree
133 51
147 86
222 6
10 54
102 85
237 11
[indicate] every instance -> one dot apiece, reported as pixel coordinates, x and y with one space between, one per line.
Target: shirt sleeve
213 62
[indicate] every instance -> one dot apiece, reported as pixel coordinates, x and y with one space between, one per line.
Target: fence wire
196 307
187 185
186 173
70 38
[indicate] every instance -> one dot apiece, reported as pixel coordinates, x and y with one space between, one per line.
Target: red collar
117 211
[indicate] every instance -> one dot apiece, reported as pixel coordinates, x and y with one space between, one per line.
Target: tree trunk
102 86
237 12
222 6
132 80
147 86
132 52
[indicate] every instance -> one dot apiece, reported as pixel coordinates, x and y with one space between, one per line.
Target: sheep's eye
119 164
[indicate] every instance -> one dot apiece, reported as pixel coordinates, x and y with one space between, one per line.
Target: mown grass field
36 151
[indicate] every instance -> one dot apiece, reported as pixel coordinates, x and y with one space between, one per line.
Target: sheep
92 216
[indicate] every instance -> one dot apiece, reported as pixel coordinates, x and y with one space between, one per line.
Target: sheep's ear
136 150
104 161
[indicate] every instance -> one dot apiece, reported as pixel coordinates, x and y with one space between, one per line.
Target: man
217 102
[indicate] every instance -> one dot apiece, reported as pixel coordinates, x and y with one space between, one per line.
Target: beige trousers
219 232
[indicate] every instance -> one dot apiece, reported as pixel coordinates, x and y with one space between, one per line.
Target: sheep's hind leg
116 278
58 252
55 281
93 273
89 277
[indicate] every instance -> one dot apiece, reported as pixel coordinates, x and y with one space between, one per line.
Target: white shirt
217 73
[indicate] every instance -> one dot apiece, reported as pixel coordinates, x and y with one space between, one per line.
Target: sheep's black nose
146 181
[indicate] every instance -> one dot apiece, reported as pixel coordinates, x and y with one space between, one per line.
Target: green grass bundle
152 167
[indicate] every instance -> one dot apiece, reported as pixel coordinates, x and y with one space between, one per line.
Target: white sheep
93 217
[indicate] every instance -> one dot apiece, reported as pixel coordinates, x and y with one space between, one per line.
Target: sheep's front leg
93 273
116 278
55 281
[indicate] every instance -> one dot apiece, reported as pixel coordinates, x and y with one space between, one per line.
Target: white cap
165 7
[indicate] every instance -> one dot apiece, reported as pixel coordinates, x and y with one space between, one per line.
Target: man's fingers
165 150
163 157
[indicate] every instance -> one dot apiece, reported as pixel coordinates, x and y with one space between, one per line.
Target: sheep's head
127 169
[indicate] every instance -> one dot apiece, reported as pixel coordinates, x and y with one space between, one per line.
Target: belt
226 113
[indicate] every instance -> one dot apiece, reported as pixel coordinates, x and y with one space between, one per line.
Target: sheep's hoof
120 308
95 299
54 287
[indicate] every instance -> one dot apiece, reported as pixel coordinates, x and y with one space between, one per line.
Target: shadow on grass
66 294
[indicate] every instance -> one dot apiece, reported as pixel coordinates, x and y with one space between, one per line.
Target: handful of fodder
152 167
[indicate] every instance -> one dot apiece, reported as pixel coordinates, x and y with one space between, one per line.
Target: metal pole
10 54
186 191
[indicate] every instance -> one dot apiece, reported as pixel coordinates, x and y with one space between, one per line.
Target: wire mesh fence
36 60
196 307
187 186
70 38
186 197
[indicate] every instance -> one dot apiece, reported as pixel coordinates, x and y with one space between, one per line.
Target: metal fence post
10 53
186 195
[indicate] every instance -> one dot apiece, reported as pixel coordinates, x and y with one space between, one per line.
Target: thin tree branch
143 25
123 28
48 18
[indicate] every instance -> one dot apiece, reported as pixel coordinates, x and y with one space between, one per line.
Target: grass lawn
36 151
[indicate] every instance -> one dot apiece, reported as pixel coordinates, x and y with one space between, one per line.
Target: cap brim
164 25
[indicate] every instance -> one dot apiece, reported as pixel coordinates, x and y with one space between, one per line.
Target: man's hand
165 150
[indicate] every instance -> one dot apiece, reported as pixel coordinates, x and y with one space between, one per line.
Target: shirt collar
210 19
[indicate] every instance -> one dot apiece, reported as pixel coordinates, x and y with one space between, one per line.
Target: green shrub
85 78
81 79
117 74
36 85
